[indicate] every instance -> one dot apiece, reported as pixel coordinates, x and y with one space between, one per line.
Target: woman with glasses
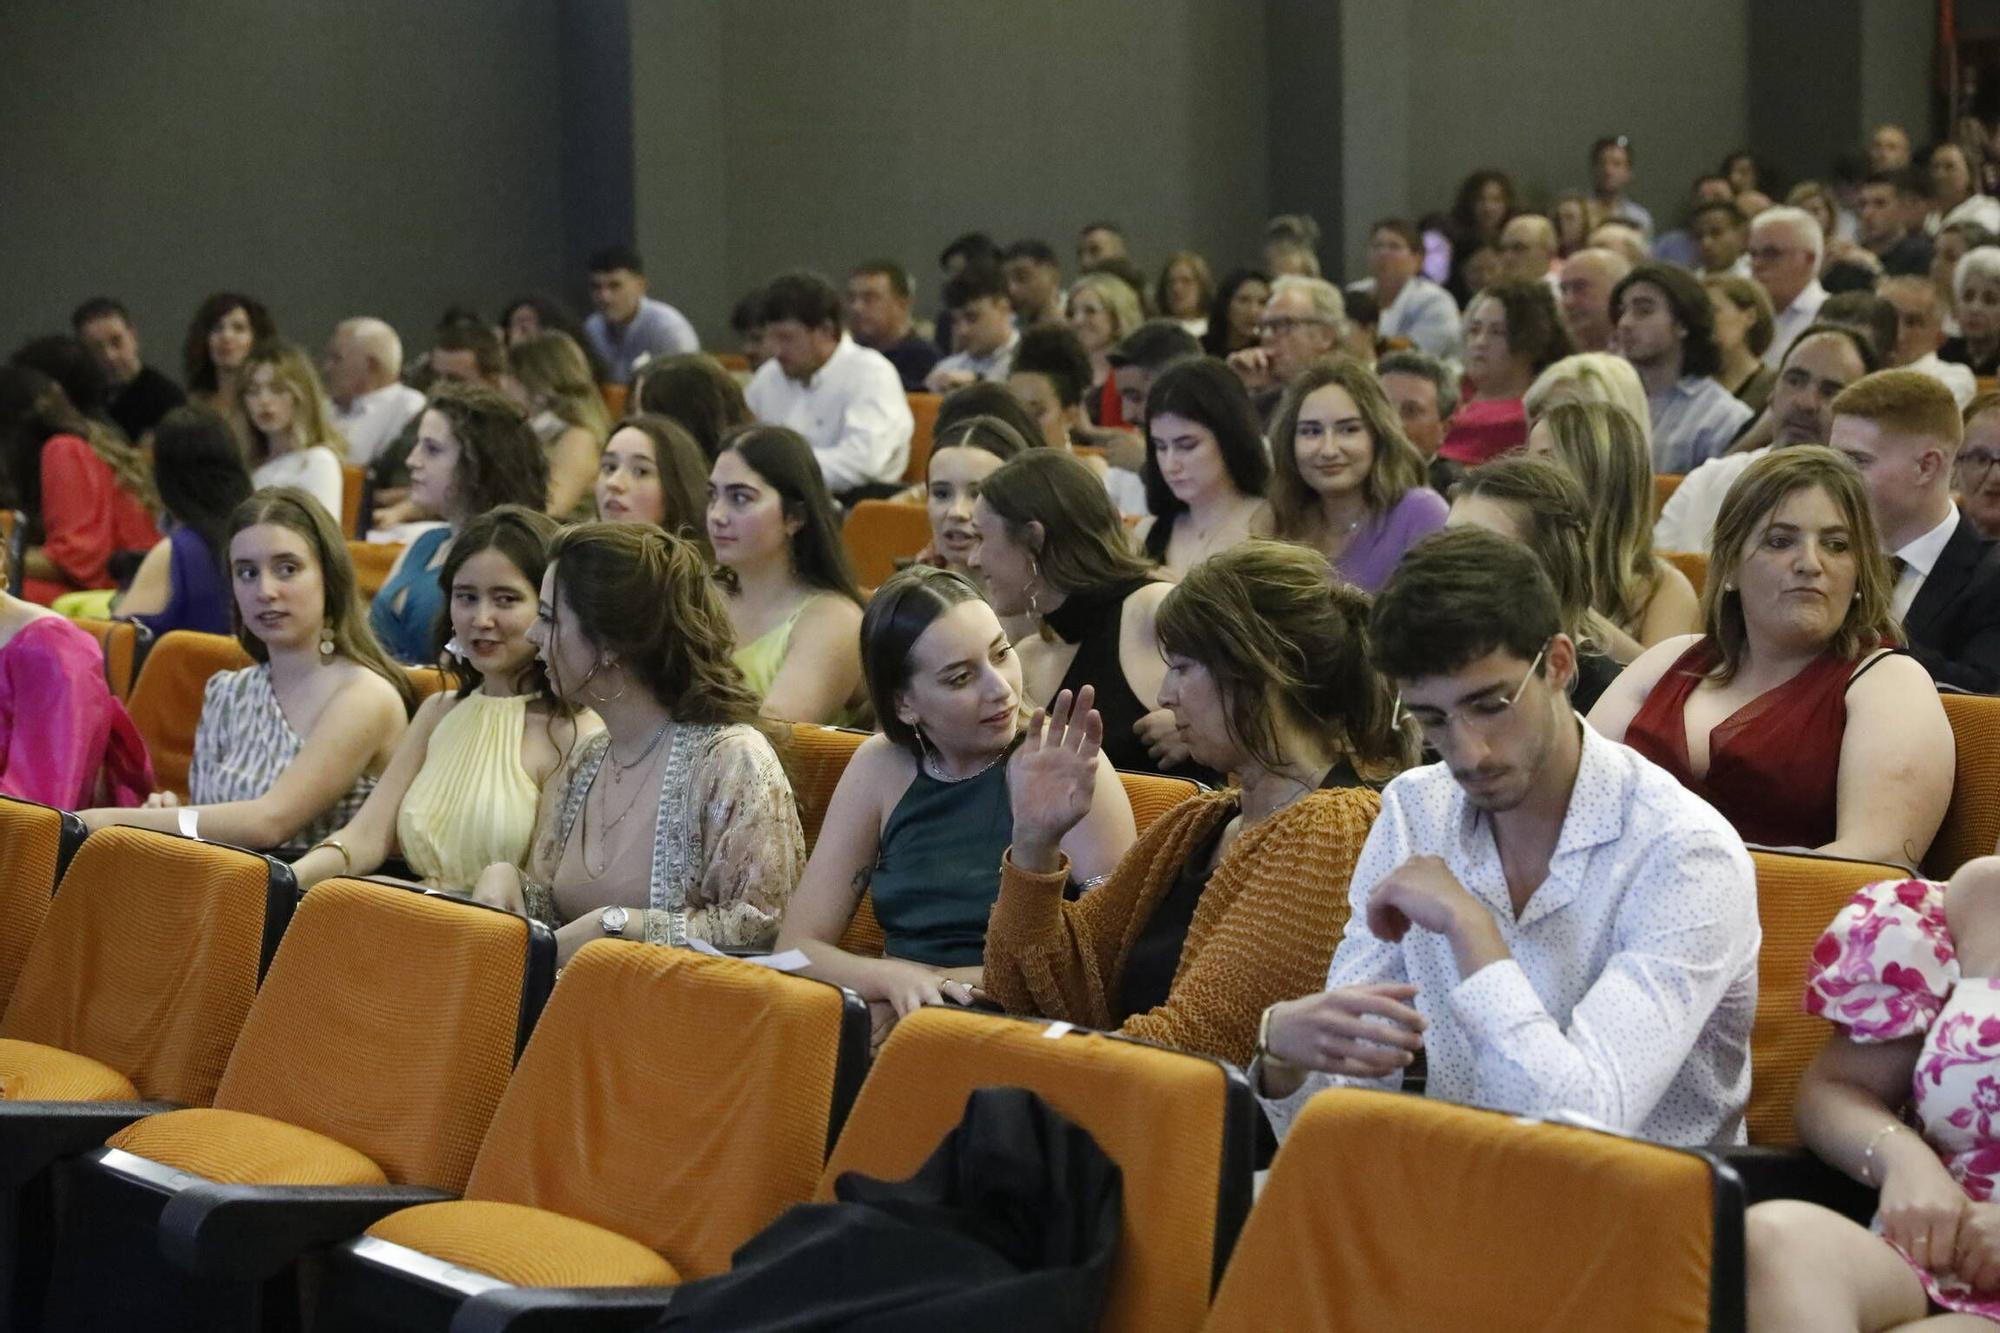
1794 714
1978 467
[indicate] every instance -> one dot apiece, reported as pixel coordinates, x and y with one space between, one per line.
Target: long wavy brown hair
1397 468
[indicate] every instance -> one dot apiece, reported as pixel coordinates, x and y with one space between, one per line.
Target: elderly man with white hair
1785 251
1304 320
363 367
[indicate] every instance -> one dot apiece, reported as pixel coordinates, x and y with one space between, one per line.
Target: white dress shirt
853 412
1793 320
1959 379
1633 981
995 366
374 419
1694 421
315 470
1919 558
1687 522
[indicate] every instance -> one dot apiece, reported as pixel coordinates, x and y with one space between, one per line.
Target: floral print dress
1886 969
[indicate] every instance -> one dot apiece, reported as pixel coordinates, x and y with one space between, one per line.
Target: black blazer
1954 624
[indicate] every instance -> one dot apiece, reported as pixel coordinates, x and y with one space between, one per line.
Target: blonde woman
293 441
1592 377
1644 598
569 417
1103 308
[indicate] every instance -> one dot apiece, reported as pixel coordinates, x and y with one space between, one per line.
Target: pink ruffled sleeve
1886 965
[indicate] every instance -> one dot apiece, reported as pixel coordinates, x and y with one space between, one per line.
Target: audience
1952 244
1741 314
1977 471
1823 360
628 326
225 326
1034 280
526 316
138 395
653 472
1486 199
567 414
1051 377
1413 307
1234 899
1291 246
474 450
1920 333
1975 299
1786 247
1233 318
1665 325
1528 250
289 747
1792 713
1207 469
1424 394
630 625
965 455
82 491
987 399
1588 277
879 299
695 391
1883 212
371 405
1512 334
1135 363
746 321
982 330
1622 237
921 818
293 441
1185 291
1637 1012
1902 432
1533 503
1956 189
1304 320
1722 240
1591 377
1344 480
1097 244
1644 598
1102 309
1051 549
1611 177
183 582
789 591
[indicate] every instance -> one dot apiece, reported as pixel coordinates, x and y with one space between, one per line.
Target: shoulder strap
1870 662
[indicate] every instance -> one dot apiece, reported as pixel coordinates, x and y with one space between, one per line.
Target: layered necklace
619 769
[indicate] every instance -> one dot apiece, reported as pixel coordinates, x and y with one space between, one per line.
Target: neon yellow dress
760 659
472 802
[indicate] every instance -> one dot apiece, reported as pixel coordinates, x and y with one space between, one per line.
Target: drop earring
326 642
1034 589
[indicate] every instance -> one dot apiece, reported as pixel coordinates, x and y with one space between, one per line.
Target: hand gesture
1052 776
1357 1031
1253 366
1161 731
1976 1257
1921 1207
1420 892
161 800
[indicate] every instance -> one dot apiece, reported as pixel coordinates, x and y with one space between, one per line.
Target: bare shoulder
1896 681
1649 666
830 613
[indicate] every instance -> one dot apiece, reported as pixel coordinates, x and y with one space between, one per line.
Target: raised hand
1052 776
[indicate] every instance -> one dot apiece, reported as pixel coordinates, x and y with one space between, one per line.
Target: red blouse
86 517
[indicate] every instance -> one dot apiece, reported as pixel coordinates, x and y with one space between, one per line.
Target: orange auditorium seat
166 700
923 407
878 533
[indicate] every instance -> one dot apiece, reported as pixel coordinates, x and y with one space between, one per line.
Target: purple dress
200 598
1377 549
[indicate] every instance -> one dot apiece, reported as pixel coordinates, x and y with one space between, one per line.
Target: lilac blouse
1377 549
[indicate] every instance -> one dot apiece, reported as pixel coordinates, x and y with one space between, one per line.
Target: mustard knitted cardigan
1264 930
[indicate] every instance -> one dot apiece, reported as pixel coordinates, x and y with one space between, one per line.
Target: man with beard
1554 922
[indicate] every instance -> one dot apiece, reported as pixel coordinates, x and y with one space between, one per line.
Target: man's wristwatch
613 920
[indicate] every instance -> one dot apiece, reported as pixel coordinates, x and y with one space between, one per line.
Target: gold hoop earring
602 698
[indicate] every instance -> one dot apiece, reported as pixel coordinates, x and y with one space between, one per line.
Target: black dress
1091 621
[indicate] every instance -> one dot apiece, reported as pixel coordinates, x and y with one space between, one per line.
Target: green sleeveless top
938 871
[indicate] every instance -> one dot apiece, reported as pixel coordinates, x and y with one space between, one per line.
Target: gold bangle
345 860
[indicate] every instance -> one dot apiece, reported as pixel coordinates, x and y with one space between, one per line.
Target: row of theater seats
368 1069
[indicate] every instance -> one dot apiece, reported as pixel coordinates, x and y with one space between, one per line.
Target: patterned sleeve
752 849
1886 965
211 740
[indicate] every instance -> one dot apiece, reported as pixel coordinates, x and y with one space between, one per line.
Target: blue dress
199 597
404 615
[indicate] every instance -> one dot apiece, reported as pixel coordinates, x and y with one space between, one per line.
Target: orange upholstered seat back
1691 563
388 1022
1177 1125
1972 821
148 960
677 1099
372 563
166 700
924 411
1386 1211
1797 899
1152 795
878 533
816 759
124 643
34 841
1664 486
353 482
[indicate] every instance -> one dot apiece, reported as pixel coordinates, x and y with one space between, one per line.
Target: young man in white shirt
1555 923
846 399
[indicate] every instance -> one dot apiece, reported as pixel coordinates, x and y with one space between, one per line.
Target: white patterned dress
244 743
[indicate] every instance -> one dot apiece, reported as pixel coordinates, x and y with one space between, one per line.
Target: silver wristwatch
613 920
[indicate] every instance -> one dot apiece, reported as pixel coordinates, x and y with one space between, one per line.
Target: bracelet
1263 1051
1868 1153
345 860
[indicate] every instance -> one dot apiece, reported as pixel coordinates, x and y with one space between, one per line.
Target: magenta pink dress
64 741
1886 969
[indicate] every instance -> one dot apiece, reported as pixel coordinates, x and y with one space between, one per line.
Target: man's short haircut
973 282
1458 595
1424 366
1613 141
477 337
974 247
1154 346
1729 211
1402 227
1906 181
1863 345
1690 307
747 315
376 338
1795 220
611 258
1363 310
96 308
803 296
1906 402
1054 352
899 278
1327 302
1039 251
1865 312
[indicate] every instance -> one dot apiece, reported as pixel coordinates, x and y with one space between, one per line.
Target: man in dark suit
1901 429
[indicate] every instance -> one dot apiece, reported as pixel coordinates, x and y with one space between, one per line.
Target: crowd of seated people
1536 573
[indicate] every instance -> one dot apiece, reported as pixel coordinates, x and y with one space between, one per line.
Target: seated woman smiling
921 814
1234 899
466 781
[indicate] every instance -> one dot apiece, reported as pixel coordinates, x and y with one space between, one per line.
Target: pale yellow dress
472 802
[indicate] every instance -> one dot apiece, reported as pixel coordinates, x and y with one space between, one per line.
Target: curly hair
645 594
500 461
197 367
34 410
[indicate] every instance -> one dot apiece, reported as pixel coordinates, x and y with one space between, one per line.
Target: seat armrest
585 1309
1795 1173
34 1135
252 1232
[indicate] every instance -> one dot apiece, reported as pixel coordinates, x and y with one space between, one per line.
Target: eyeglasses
1769 254
1977 463
1280 325
1478 719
